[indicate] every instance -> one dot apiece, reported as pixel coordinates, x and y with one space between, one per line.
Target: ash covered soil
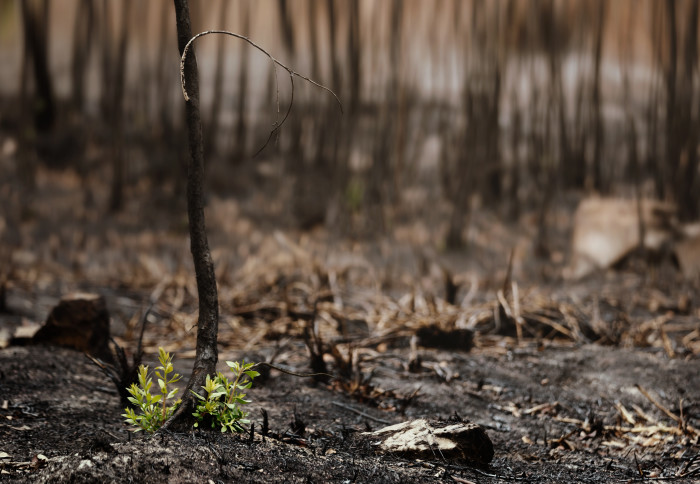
592 381
554 414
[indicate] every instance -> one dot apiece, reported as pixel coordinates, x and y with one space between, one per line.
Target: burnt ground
591 381
552 414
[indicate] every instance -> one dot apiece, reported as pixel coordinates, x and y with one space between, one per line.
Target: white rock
607 229
423 439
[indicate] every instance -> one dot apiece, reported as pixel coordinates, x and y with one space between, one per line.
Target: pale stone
423 439
607 229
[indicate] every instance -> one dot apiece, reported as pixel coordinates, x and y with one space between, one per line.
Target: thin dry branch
278 124
275 62
683 425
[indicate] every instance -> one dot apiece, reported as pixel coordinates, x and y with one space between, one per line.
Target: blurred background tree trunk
116 110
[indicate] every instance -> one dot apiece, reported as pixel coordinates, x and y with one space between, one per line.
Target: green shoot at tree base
154 408
222 405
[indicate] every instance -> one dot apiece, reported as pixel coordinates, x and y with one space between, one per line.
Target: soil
61 422
592 381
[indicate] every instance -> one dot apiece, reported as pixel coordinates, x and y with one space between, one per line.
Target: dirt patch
554 415
590 381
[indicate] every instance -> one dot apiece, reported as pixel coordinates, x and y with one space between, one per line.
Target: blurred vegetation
451 105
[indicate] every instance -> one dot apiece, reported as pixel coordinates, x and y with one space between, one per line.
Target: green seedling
154 409
354 194
223 401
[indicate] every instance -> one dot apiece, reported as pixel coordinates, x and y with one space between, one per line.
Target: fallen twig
361 413
670 414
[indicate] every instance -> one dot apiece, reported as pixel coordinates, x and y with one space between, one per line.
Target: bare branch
277 125
243 37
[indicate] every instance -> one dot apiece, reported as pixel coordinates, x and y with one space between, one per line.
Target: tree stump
80 321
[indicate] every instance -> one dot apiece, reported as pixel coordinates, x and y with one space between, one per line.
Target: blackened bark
687 123
82 42
287 24
106 67
598 133
213 124
332 28
672 150
116 113
241 129
161 84
313 39
35 19
355 55
208 323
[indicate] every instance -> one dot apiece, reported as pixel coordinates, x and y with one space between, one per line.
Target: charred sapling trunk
208 322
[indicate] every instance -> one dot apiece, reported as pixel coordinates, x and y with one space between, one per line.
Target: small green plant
224 399
354 194
154 408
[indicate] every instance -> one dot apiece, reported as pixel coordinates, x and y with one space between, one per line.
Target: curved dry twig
275 62
277 125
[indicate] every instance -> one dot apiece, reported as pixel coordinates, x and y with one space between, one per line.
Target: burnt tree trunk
215 112
332 47
671 140
687 122
82 42
107 60
355 54
208 322
116 112
597 128
35 20
241 128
